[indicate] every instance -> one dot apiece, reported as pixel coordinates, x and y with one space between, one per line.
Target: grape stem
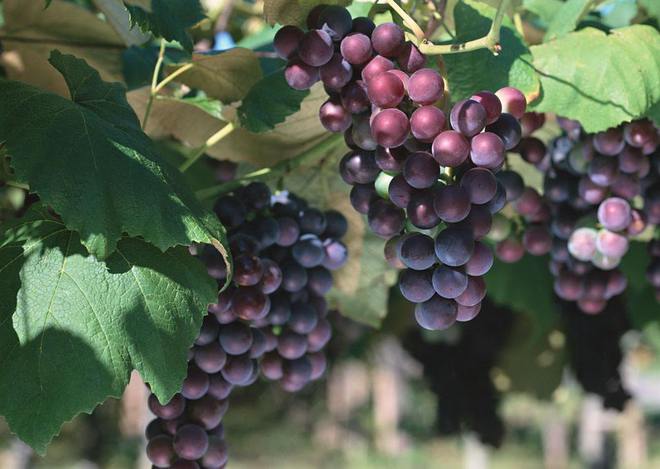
490 41
407 20
154 84
277 170
198 152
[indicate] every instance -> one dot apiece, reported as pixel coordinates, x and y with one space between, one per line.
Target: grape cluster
588 212
425 181
271 319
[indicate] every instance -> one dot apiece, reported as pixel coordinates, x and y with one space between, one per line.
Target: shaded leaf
227 76
89 160
478 70
600 79
169 19
567 18
72 328
70 28
269 102
293 11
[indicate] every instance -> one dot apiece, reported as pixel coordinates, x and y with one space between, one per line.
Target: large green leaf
72 328
169 19
567 18
227 76
269 102
89 159
478 70
600 79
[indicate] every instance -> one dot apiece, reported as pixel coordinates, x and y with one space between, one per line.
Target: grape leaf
525 286
600 79
299 132
73 28
90 161
227 76
293 11
81 325
544 9
168 19
567 18
478 70
269 102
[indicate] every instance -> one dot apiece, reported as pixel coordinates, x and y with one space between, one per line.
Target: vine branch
212 140
278 169
407 20
154 84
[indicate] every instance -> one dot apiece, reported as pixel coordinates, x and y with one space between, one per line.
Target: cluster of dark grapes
462 379
594 350
426 182
271 319
587 212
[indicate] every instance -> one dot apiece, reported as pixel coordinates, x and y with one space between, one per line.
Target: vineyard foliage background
107 286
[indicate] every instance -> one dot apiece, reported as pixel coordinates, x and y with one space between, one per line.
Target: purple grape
530 122
630 160
508 129
532 150
361 197
376 66
300 76
316 48
248 270
416 286
479 221
569 286
238 370
209 331
173 409
354 97
314 16
451 148
420 170
296 374
498 202
480 184
454 246
336 254
537 240
449 282
529 202
219 388
271 366
614 214
611 244
191 442
639 133
336 21
363 25
400 192
417 251
436 313
425 86
312 221
358 167
216 455
291 345
286 41
409 58
319 280
160 451
467 313
210 358
385 219
602 170
610 142
385 90
303 318
294 277
236 338
491 104
474 293
421 211
582 244
308 251
426 123
250 303
336 73
452 203
391 160
626 186
207 411
390 127
356 48
387 39
509 250
590 191
196 383
480 262
513 101
468 117
362 133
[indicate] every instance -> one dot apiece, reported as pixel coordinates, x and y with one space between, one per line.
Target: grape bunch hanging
426 182
272 320
600 191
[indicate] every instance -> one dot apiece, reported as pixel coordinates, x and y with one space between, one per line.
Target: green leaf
642 307
169 19
80 325
227 76
89 160
652 8
525 286
138 64
293 11
478 70
600 79
212 107
567 18
544 9
269 102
